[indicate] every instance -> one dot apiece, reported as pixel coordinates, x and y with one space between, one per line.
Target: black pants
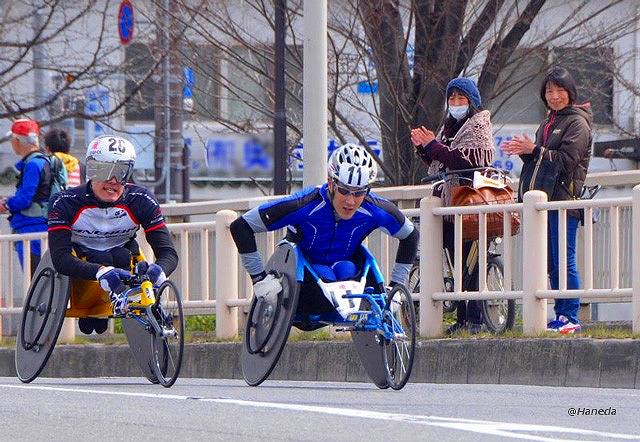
466 310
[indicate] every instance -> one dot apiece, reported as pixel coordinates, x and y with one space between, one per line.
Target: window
592 69
250 88
517 99
204 63
138 62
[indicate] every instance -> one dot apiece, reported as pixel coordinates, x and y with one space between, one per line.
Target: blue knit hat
468 87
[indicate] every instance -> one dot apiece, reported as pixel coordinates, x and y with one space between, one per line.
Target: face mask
458 112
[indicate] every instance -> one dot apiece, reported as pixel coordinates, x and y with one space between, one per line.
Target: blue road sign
125 22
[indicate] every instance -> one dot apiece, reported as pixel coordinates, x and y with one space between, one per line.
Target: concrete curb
574 362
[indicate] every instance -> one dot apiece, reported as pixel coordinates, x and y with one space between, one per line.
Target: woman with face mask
464 141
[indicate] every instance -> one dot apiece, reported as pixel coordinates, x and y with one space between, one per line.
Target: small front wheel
168 346
399 348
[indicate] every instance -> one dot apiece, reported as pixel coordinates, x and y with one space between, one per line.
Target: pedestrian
57 142
28 206
465 141
563 141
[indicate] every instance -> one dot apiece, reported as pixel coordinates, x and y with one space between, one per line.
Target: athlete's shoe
86 325
563 326
100 325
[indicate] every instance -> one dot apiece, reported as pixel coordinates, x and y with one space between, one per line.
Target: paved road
202 409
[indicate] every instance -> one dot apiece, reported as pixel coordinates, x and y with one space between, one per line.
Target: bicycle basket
469 196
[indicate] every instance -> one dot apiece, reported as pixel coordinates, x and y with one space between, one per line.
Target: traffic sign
125 22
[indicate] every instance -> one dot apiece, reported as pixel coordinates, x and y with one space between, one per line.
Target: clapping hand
518 145
421 136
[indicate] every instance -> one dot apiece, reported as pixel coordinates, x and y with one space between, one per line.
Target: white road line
504 429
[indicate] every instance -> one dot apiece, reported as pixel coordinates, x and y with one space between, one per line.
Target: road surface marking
504 429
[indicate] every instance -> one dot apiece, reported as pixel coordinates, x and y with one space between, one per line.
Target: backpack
53 179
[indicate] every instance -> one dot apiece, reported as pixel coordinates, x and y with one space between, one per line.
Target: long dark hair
57 140
561 77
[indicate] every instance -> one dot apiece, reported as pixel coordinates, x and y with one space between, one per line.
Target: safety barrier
534 292
206 250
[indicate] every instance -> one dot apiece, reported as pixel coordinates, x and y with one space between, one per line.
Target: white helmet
351 165
110 156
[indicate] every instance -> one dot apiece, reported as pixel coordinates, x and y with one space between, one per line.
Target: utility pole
168 106
314 106
280 115
39 93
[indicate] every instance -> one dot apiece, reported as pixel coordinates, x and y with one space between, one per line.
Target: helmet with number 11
352 166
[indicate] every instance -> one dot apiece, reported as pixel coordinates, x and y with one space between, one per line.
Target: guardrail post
534 263
431 279
226 284
68 331
635 260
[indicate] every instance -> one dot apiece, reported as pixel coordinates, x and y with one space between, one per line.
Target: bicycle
498 315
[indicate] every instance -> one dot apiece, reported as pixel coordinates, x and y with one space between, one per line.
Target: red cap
25 128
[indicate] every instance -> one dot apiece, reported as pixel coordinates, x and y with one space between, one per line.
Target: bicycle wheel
498 314
414 288
398 352
169 347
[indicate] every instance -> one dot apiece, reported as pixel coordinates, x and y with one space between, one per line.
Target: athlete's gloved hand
267 287
110 279
153 271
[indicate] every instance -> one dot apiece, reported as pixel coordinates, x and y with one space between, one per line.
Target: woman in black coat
564 137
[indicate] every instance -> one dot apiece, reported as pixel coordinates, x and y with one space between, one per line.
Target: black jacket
566 137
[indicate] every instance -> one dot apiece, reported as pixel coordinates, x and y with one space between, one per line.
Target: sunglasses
104 171
346 191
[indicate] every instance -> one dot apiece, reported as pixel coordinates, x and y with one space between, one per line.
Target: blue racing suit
322 236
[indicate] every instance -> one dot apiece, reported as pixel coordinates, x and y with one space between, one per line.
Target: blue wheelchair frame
378 319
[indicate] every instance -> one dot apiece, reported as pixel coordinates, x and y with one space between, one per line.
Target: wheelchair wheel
263 320
42 318
498 314
398 352
36 310
169 347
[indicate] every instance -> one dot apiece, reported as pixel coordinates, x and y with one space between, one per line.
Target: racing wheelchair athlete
322 274
92 252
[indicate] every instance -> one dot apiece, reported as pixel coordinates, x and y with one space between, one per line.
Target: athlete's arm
60 248
152 221
266 217
394 223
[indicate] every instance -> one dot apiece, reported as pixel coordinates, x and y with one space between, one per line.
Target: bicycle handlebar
441 175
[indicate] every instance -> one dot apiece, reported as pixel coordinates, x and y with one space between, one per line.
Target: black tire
39 312
167 350
498 314
398 352
414 287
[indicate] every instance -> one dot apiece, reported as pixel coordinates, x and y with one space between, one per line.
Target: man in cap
25 206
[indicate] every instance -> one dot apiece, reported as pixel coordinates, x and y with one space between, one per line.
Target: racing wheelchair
153 324
381 321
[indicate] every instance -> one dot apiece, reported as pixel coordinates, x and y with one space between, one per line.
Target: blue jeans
35 245
565 307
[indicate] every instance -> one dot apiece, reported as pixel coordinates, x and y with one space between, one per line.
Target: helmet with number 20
351 165
110 157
